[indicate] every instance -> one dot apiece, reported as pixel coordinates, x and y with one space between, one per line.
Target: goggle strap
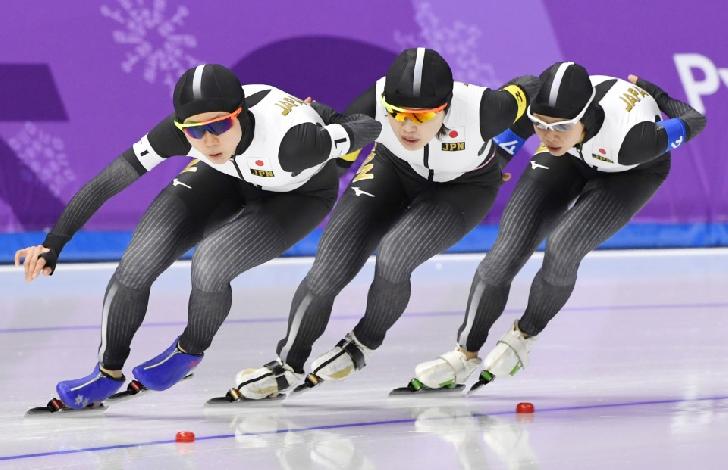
390 107
181 125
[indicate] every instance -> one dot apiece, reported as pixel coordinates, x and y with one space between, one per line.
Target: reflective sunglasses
216 126
418 115
560 126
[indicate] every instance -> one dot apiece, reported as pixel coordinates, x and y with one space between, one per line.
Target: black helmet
565 91
418 78
205 88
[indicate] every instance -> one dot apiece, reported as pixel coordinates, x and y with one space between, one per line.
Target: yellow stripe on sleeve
520 97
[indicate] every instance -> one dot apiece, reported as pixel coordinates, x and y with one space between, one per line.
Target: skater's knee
208 280
330 276
141 264
496 270
395 260
210 271
560 244
134 274
128 291
561 260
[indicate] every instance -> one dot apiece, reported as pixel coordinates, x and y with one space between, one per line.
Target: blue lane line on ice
356 425
356 317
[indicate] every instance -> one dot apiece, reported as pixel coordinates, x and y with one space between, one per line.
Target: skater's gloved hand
36 260
655 91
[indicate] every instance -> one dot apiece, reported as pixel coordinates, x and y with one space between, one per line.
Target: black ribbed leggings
540 206
235 226
410 219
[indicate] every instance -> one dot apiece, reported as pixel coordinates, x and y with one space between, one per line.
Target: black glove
51 258
55 244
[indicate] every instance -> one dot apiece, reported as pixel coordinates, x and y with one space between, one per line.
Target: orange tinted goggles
416 115
216 126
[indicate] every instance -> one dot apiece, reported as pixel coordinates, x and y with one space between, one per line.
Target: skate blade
226 401
131 391
406 391
310 382
302 388
93 408
134 390
481 382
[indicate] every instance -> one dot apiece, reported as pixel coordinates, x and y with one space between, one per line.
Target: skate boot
266 383
166 369
508 357
86 392
338 363
447 373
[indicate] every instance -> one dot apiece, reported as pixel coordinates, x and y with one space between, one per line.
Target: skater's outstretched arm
163 141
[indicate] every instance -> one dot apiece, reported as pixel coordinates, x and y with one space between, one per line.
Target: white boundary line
457 257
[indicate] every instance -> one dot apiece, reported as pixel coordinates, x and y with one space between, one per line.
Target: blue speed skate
94 388
166 369
86 393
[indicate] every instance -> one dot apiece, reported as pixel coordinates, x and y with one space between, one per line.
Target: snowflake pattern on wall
45 155
155 45
458 44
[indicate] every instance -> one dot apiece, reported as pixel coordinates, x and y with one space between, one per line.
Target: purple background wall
82 81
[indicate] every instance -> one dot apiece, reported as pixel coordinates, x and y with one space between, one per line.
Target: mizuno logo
358 192
535 165
176 182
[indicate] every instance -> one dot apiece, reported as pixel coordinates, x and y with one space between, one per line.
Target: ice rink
633 373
